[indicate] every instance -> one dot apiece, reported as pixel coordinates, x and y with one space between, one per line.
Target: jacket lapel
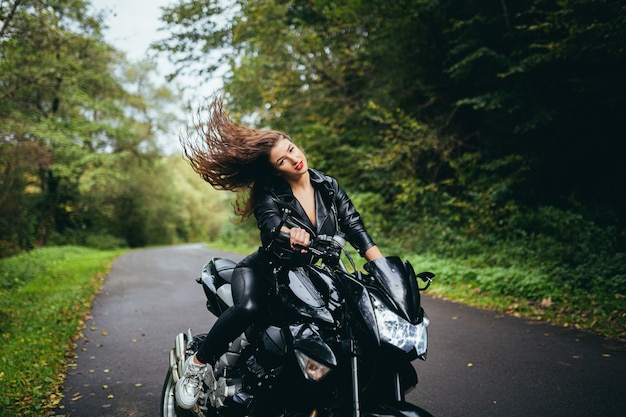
324 204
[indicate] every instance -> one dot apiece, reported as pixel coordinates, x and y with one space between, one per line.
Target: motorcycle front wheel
169 408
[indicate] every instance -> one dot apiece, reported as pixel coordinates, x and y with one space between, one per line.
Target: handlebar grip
284 235
287 238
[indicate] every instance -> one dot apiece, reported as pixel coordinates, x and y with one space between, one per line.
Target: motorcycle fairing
307 339
398 282
274 341
398 332
382 319
215 274
302 297
359 294
325 284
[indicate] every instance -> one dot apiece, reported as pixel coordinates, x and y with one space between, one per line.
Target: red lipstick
300 165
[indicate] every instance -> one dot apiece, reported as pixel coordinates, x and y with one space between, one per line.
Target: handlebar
321 244
325 247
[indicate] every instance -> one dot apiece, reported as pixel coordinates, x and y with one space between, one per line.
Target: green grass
488 288
44 295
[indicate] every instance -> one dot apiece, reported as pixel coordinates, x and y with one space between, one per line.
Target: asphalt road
480 363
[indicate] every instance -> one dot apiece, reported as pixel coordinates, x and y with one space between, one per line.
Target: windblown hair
230 156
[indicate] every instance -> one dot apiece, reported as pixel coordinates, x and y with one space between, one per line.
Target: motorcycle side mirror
426 277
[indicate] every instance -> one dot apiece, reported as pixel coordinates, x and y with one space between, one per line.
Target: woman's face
288 160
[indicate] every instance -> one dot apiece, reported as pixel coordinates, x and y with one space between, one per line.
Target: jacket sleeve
350 221
268 216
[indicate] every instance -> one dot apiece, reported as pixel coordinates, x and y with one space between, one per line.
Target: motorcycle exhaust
174 366
179 347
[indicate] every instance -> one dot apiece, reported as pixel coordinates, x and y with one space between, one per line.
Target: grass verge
604 314
44 295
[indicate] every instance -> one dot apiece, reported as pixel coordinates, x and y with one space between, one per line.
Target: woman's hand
299 237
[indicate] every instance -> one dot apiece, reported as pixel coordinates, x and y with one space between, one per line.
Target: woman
271 175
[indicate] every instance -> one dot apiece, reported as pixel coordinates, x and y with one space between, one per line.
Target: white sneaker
188 387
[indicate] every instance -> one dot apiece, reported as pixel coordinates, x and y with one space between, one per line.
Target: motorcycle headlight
398 332
312 369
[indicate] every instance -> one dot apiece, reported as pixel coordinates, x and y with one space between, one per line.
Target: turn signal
312 369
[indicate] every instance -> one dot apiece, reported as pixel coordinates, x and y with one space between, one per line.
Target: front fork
350 347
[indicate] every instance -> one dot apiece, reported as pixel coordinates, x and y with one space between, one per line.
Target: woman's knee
248 290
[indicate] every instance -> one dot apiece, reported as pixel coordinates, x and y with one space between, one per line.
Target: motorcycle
335 342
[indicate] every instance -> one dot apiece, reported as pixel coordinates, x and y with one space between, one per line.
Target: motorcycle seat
224 268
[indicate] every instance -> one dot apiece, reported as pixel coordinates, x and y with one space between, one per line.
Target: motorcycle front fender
394 409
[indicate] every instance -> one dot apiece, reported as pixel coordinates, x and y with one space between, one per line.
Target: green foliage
43 297
77 136
509 85
19 270
202 211
242 236
482 132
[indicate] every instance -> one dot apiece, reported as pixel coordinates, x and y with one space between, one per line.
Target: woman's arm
352 225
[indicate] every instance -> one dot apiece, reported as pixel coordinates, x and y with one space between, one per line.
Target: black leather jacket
333 210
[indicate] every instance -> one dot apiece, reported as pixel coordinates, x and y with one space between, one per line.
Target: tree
69 113
541 80
478 102
52 66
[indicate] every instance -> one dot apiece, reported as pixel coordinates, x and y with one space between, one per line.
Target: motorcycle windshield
397 281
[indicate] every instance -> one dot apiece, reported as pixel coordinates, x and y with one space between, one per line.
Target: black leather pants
249 287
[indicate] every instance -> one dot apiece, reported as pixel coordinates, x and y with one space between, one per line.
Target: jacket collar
281 188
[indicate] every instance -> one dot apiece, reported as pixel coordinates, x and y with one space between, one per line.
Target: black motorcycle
335 342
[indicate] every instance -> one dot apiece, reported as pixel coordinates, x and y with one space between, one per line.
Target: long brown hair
230 156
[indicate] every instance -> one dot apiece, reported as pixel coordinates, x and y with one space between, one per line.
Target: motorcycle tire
169 408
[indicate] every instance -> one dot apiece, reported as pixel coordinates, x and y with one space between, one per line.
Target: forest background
485 137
